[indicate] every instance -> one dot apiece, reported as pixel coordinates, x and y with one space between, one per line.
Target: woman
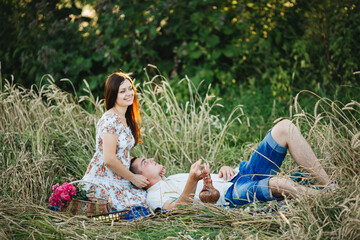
117 132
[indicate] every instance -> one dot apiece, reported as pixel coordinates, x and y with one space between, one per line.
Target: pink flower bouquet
74 200
61 194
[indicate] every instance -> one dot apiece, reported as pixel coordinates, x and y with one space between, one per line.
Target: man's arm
190 187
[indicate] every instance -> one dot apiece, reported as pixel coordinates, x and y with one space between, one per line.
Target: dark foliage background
267 47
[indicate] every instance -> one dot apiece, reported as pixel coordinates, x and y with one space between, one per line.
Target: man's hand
187 195
227 173
195 172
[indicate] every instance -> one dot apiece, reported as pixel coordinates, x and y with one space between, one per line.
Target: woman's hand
227 173
163 171
139 181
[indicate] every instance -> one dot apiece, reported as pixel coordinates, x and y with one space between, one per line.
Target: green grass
47 136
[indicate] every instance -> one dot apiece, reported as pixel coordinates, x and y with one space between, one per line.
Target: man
255 179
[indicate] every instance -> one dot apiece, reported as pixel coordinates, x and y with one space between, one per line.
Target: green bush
282 45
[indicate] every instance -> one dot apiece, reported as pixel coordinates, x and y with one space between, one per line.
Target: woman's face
125 96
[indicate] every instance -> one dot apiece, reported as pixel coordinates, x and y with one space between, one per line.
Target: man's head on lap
148 168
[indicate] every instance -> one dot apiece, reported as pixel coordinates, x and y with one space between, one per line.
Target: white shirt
172 187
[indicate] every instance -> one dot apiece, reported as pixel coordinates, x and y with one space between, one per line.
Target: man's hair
133 167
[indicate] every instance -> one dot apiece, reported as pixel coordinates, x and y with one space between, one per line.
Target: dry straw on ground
47 136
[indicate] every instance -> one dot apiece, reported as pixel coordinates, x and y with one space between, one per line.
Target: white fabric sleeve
156 199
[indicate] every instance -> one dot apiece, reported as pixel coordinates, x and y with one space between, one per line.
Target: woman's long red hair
132 115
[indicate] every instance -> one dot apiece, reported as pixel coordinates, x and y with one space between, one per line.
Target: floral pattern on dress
121 191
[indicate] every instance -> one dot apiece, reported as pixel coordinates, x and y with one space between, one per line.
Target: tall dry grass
47 136
177 134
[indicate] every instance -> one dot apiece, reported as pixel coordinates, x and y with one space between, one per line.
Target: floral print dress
122 192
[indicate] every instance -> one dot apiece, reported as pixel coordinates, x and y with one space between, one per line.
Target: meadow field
47 136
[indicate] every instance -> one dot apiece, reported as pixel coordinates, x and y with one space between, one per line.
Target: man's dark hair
133 168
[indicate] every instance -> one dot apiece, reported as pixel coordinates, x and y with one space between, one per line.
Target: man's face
148 167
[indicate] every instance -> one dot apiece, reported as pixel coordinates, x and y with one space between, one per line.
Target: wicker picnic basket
94 207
